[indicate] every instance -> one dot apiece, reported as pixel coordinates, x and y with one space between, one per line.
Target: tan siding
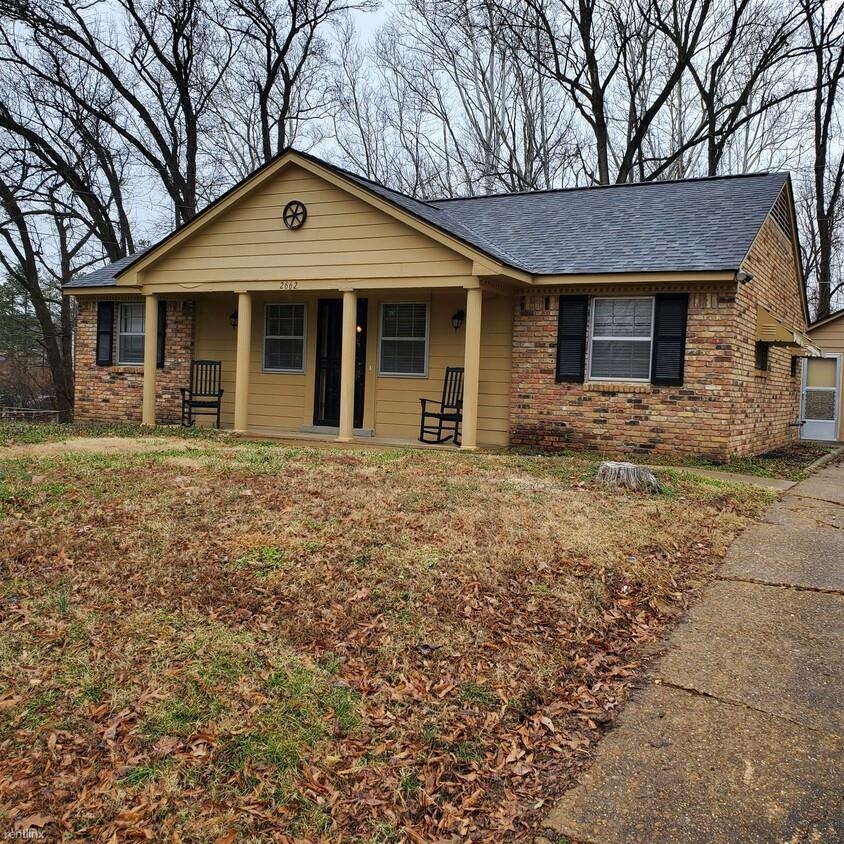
215 340
830 337
276 399
397 399
343 237
284 402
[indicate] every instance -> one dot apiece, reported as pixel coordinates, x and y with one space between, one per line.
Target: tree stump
626 476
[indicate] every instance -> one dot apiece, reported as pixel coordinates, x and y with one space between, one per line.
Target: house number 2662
288 285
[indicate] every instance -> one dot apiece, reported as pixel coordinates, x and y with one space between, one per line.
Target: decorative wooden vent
781 214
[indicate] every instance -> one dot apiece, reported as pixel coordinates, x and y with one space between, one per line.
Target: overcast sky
367 21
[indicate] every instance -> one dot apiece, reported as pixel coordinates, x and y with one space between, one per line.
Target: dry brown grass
276 644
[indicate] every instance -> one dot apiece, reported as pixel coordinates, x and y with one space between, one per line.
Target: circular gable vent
294 214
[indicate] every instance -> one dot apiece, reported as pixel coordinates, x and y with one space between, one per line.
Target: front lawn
222 641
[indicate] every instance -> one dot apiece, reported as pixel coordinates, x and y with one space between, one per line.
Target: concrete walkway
737 735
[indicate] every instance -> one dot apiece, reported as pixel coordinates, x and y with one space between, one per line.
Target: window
762 356
130 333
284 338
404 339
621 336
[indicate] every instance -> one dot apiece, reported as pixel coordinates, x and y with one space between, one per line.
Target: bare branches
184 97
825 223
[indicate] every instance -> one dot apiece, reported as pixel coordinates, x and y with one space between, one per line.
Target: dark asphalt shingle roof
682 226
690 225
106 275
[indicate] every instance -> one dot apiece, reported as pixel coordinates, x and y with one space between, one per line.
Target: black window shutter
105 333
571 339
162 330
669 350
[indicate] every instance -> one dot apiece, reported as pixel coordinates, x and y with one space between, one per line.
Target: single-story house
823 382
664 316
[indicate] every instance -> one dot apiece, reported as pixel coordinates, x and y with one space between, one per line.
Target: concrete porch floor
312 439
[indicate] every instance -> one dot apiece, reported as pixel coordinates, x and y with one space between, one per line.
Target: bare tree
618 63
279 80
826 223
31 205
158 63
75 147
452 108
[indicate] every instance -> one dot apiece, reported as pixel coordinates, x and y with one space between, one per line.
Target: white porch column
472 368
347 365
150 357
241 378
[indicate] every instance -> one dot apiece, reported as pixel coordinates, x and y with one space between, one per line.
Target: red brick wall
115 393
767 401
724 407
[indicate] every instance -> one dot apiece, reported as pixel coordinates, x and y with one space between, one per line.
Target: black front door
329 355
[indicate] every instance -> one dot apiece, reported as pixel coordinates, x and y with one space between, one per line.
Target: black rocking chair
447 419
203 397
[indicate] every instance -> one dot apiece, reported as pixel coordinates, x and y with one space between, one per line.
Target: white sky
366 22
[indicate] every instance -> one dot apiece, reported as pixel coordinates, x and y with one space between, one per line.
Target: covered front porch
347 362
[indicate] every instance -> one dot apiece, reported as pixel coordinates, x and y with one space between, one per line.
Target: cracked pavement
737 733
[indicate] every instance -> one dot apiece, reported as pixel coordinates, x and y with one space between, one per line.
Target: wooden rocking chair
204 396
444 423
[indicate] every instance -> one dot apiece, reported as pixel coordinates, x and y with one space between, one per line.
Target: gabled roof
826 320
689 225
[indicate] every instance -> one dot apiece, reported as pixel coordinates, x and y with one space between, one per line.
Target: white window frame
303 338
381 372
122 334
649 340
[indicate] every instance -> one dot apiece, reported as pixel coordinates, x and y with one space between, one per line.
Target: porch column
241 376
472 368
150 357
347 366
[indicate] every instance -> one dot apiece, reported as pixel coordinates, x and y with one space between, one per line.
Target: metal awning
772 330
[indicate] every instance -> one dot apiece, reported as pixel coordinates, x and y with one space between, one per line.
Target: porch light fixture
457 320
233 319
743 277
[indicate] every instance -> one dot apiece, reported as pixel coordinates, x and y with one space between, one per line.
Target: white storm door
821 402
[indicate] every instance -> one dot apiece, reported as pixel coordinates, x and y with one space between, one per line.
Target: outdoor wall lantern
457 320
233 319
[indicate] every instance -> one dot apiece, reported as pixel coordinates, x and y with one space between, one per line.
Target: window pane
620 359
403 356
130 332
821 372
622 317
132 348
132 318
404 320
285 321
284 354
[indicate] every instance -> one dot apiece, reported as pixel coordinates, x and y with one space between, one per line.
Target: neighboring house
664 316
823 382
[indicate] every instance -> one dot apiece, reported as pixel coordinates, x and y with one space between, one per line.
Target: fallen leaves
326 646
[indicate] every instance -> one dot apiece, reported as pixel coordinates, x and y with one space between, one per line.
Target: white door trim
821 429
